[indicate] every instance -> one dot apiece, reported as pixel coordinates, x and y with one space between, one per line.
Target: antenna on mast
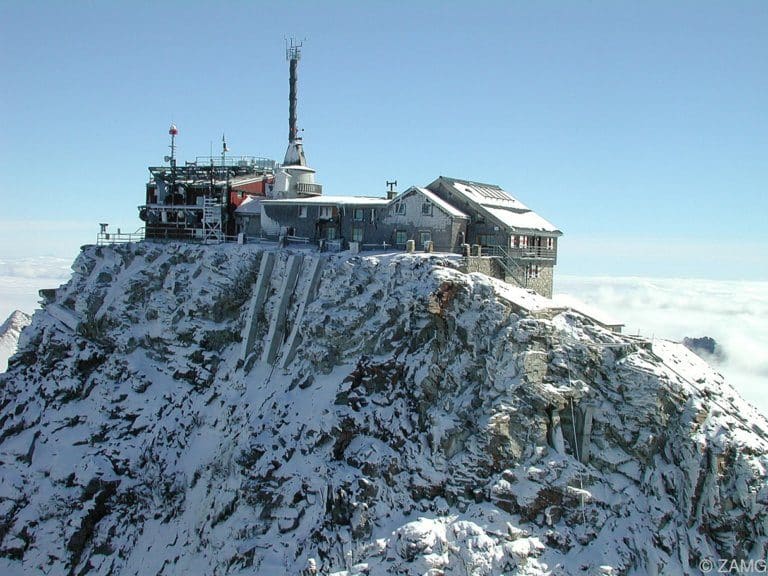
173 131
295 153
293 55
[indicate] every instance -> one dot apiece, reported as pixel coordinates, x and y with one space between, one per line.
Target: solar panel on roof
492 193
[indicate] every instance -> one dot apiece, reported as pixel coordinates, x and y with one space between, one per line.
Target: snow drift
182 409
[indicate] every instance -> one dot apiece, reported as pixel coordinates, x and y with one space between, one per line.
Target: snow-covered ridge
10 330
173 412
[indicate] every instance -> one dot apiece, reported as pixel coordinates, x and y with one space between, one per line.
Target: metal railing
306 188
509 264
237 162
105 238
533 253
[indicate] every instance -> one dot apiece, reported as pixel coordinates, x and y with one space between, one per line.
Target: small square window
357 214
426 209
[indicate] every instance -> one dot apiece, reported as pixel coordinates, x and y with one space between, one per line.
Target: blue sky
639 128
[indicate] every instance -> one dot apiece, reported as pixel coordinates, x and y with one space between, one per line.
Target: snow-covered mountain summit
10 330
182 409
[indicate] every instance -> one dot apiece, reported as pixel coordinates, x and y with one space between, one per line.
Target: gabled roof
495 203
434 198
250 205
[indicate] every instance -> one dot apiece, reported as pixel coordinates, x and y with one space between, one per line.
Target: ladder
212 231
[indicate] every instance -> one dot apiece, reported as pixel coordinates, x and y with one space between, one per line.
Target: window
357 234
357 215
330 233
532 271
400 237
302 211
550 243
426 209
326 212
400 208
424 237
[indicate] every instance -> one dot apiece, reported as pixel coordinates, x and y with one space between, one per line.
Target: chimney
391 193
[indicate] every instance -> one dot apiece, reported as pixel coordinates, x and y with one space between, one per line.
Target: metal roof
495 203
331 200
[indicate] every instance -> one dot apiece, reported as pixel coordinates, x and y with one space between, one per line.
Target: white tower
294 179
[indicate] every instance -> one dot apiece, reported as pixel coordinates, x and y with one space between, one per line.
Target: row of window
518 241
358 214
426 208
401 236
326 212
532 242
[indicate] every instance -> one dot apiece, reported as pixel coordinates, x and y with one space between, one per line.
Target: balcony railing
310 189
527 253
532 253
106 238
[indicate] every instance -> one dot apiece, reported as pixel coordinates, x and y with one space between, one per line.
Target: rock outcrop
405 418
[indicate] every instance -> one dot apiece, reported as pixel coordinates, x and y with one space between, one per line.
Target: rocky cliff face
171 412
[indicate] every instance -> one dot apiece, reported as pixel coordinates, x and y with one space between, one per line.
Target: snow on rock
10 330
430 422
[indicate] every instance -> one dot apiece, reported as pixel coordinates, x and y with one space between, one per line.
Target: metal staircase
512 269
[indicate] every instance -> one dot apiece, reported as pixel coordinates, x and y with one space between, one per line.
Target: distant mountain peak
10 331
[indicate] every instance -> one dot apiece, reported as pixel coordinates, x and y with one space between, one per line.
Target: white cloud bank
734 313
21 278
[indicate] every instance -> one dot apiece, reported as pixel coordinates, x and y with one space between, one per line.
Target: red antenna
173 131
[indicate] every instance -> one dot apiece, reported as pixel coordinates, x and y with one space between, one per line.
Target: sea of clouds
21 278
734 313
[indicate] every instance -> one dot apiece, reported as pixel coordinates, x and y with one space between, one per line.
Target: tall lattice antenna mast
293 55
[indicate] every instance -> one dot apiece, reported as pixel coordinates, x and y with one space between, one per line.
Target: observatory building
214 199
